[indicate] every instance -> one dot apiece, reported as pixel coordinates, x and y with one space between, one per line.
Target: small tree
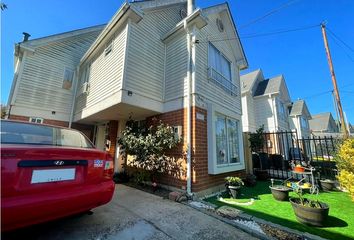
149 147
3 111
257 140
345 164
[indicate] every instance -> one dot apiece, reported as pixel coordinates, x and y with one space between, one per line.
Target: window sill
224 168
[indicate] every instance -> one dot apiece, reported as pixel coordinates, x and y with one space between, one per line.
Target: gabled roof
56 37
248 80
299 107
235 38
321 121
152 4
269 86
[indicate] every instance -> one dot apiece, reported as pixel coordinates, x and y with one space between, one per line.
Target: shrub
345 163
148 150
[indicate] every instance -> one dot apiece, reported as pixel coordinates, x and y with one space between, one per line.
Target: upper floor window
220 70
304 123
109 47
281 110
68 78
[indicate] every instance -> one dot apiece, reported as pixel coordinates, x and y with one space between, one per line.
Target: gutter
74 96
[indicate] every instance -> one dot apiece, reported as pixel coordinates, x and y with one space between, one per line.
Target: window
220 70
85 74
68 78
109 47
281 110
227 142
36 120
23 133
304 123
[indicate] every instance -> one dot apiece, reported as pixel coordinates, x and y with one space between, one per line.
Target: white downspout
190 9
74 97
189 127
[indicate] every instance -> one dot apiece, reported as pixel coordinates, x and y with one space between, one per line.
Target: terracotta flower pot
299 169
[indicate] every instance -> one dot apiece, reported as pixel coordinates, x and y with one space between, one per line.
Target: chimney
25 36
190 7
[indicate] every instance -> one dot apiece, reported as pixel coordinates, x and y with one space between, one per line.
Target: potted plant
250 180
327 184
233 184
307 211
280 192
259 158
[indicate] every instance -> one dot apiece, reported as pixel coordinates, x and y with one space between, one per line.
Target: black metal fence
282 151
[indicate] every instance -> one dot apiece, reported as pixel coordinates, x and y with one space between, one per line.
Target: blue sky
299 56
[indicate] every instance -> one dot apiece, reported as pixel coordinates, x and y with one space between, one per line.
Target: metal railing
282 149
222 82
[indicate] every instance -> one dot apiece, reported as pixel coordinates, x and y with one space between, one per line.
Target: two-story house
264 102
154 59
299 119
323 124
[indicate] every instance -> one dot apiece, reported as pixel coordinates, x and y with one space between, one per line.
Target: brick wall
201 180
86 129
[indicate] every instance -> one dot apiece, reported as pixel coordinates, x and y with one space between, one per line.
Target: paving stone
229 212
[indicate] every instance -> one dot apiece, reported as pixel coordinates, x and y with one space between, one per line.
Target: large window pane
232 133
221 143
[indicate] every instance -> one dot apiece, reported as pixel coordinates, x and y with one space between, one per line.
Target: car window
66 137
23 133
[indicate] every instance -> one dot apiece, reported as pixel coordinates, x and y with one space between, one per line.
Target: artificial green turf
339 225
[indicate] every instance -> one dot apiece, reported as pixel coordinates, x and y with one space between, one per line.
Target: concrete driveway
134 214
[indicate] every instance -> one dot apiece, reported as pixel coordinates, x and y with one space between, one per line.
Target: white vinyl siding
176 68
104 73
41 81
146 48
207 88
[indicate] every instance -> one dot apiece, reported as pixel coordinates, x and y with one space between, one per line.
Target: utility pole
334 81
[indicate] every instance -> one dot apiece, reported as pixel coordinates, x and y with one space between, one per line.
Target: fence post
247 153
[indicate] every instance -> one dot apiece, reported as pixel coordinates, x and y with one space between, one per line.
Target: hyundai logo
59 163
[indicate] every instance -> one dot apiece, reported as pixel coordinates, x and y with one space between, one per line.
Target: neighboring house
299 119
323 124
155 60
264 102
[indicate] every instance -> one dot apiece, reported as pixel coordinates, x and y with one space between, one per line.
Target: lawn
340 224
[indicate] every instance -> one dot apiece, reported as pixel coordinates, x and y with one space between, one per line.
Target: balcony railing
222 82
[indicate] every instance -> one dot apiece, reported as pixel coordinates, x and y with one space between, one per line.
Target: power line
339 39
288 3
263 34
344 49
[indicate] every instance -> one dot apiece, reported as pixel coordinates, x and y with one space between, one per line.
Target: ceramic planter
327 185
280 192
309 215
233 191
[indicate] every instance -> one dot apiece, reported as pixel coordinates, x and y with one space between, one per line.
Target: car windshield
23 133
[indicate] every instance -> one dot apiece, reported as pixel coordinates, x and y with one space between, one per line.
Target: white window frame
214 168
109 47
72 78
36 120
227 84
304 123
281 110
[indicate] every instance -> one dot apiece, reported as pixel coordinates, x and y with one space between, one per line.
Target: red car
50 172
